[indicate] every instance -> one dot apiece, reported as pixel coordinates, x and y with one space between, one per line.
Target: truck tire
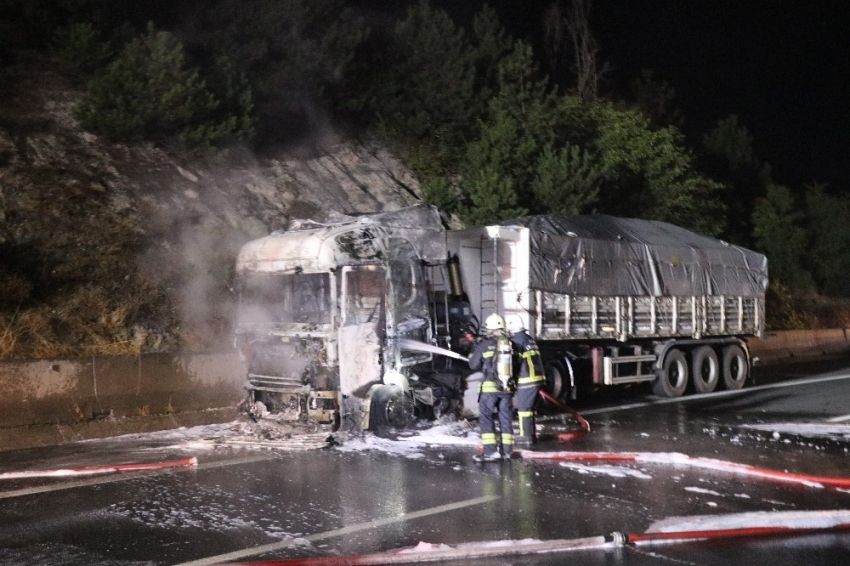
705 369
389 408
672 379
735 367
557 378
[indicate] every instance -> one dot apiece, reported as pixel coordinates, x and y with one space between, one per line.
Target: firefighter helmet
494 322
515 324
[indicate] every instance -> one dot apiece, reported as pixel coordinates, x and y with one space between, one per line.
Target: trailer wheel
556 378
734 367
389 407
705 369
672 379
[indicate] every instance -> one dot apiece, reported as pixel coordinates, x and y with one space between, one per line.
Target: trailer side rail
563 317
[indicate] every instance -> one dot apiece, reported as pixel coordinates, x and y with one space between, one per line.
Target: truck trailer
366 321
614 301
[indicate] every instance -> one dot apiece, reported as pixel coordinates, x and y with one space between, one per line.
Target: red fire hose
567 409
776 524
104 469
678 459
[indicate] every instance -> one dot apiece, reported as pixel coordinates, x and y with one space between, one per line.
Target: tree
655 100
149 92
567 180
728 156
80 51
731 141
501 165
297 55
32 23
778 227
651 174
490 45
431 92
426 88
544 153
828 255
573 27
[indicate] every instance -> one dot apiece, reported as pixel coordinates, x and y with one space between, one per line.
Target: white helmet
494 322
515 324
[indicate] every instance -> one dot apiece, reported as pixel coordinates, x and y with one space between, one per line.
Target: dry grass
788 310
94 321
8 336
83 323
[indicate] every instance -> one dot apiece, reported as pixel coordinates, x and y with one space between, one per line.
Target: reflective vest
531 373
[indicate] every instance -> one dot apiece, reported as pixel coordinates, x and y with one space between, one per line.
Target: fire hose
678 459
567 409
776 523
103 469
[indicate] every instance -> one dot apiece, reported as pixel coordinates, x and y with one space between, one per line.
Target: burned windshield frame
285 298
364 290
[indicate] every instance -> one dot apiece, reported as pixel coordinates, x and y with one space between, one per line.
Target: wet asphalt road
248 504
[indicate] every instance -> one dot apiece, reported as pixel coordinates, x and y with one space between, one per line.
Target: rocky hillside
115 248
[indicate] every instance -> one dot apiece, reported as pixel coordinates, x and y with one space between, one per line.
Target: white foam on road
756 519
834 431
606 470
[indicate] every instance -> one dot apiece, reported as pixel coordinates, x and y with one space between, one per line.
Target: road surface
242 503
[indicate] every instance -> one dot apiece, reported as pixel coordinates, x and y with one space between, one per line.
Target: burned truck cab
326 310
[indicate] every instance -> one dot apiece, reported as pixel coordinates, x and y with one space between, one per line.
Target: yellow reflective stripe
528 355
522 414
531 379
488 438
488 354
507 439
489 387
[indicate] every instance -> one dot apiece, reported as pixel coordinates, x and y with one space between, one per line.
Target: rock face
114 248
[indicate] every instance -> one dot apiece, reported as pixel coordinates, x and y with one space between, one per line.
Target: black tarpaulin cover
608 256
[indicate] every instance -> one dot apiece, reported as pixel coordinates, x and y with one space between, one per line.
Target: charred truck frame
342 320
327 312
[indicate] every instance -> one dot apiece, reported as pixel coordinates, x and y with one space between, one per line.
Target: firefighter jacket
530 363
483 359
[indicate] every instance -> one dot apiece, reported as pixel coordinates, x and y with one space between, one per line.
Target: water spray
408 344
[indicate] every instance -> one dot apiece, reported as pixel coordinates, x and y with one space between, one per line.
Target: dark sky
783 66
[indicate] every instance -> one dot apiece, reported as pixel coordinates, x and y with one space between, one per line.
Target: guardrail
57 401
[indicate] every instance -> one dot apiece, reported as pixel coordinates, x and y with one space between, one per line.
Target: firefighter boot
491 457
526 437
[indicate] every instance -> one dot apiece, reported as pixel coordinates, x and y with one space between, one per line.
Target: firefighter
529 379
492 356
